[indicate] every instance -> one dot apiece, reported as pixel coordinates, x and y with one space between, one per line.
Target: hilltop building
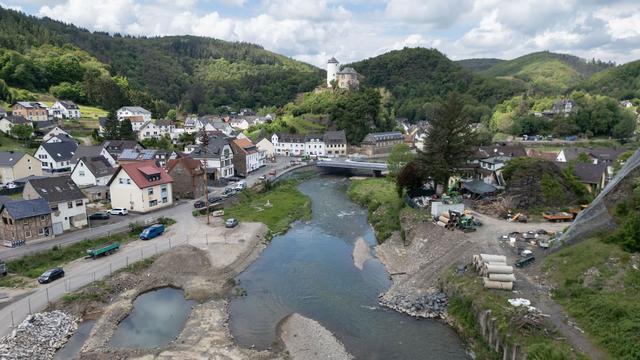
345 78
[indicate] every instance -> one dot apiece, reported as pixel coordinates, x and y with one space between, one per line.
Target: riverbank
306 339
381 199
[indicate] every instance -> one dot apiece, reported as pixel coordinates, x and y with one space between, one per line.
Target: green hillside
621 82
418 78
199 74
479 64
547 72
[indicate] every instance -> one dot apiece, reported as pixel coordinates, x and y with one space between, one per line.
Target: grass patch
15 282
471 295
8 143
380 197
598 285
277 207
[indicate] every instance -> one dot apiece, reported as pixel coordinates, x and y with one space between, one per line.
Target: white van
241 185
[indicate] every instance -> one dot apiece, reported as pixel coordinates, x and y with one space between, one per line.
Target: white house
217 157
54 132
314 145
67 202
266 146
130 111
288 144
65 110
91 171
56 156
149 131
166 126
137 122
246 157
91 152
141 187
239 123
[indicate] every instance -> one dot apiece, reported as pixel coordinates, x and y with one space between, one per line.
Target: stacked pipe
448 219
495 271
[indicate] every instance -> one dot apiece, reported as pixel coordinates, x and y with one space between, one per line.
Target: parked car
51 275
151 232
231 223
228 191
199 204
11 185
100 215
241 185
262 178
272 172
234 179
214 199
228 194
118 211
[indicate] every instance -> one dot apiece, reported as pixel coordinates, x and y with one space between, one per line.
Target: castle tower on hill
333 66
346 78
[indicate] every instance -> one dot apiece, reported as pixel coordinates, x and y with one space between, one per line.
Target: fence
12 315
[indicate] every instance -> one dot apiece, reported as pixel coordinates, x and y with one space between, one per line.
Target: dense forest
419 78
479 64
621 82
198 74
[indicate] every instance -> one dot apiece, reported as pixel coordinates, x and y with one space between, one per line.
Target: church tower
332 70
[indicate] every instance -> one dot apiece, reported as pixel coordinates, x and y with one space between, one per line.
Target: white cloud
434 12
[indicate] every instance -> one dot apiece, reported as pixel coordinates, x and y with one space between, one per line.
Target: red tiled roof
190 164
138 170
136 118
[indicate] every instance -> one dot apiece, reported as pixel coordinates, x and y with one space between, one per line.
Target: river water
309 270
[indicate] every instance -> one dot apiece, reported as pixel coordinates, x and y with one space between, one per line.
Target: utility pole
204 140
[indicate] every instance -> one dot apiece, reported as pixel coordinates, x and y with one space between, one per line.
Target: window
41 231
54 208
70 205
78 202
150 191
81 173
153 203
128 181
43 218
121 181
27 233
164 200
163 188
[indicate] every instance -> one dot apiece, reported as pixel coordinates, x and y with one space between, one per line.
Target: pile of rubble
38 336
425 306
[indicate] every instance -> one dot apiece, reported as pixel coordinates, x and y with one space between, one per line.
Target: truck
104 249
3 268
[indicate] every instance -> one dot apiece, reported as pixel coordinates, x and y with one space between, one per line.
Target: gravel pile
425 306
38 336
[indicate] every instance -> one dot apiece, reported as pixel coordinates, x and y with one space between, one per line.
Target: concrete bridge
376 168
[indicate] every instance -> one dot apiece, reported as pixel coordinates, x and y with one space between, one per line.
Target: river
310 270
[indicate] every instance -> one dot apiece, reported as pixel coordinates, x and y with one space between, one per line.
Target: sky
351 30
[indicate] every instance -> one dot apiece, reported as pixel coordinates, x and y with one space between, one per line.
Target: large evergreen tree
112 127
449 142
125 130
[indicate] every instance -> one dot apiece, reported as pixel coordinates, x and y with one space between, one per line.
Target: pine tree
449 142
112 127
126 130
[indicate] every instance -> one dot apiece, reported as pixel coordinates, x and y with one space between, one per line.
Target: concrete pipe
492 258
498 269
442 224
499 285
502 277
444 219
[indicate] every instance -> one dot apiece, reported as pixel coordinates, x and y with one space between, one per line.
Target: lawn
277 208
8 143
88 112
599 285
380 197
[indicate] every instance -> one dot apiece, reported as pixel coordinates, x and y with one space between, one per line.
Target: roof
62 138
115 147
22 209
214 149
10 158
60 151
137 119
348 71
98 165
243 145
134 154
139 172
509 150
290 138
335 137
479 187
44 125
192 165
550 156
588 173
382 136
332 61
86 151
602 154
29 104
164 122
57 189
16 119
135 109
69 105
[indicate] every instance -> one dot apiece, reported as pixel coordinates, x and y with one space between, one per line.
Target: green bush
546 351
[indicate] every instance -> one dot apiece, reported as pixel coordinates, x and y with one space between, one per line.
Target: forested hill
480 64
419 77
198 73
620 82
547 72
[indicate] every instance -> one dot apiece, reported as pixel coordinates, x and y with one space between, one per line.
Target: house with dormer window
56 156
141 187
